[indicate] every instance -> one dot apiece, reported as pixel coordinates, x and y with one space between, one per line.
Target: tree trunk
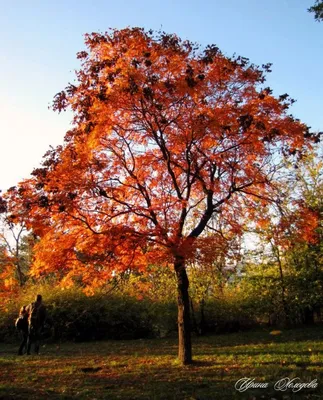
308 315
283 288
194 323
20 274
184 321
202 322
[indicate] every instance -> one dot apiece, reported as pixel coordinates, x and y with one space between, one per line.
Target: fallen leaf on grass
275 333
91 369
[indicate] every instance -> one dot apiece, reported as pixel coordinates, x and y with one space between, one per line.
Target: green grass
147 369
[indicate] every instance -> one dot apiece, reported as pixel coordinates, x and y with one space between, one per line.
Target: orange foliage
9 285
299 226
165 135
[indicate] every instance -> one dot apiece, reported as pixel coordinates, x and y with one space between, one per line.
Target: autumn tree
306 253
285 270
9 285
165 135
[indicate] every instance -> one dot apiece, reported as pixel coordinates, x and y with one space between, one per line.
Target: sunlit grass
147 369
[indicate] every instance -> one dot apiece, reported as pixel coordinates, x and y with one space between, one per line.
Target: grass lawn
147 369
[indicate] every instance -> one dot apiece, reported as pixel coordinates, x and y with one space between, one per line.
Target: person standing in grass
22 326
36 319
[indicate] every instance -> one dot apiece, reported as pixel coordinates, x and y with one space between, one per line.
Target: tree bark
195 327
283 288
184 320
202 322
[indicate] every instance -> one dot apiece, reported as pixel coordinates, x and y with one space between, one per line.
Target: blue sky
39 41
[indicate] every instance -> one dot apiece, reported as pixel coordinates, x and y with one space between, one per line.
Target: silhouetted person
22 326
36 318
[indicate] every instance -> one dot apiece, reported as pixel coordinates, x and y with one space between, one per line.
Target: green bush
80 318
7 323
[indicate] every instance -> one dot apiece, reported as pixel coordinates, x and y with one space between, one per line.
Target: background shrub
80 318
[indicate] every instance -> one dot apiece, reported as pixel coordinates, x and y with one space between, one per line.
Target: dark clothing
33 337
23 344
36 314
22 327
36 318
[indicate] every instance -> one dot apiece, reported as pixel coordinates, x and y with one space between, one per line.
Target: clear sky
39 41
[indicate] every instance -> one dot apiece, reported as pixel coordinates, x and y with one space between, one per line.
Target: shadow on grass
10 392
145 370
205 345
158 389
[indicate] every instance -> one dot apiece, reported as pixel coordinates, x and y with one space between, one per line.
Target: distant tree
16 244
165 136
10 239
317 9
287 268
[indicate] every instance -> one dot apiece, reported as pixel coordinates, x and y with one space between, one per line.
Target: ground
147 369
